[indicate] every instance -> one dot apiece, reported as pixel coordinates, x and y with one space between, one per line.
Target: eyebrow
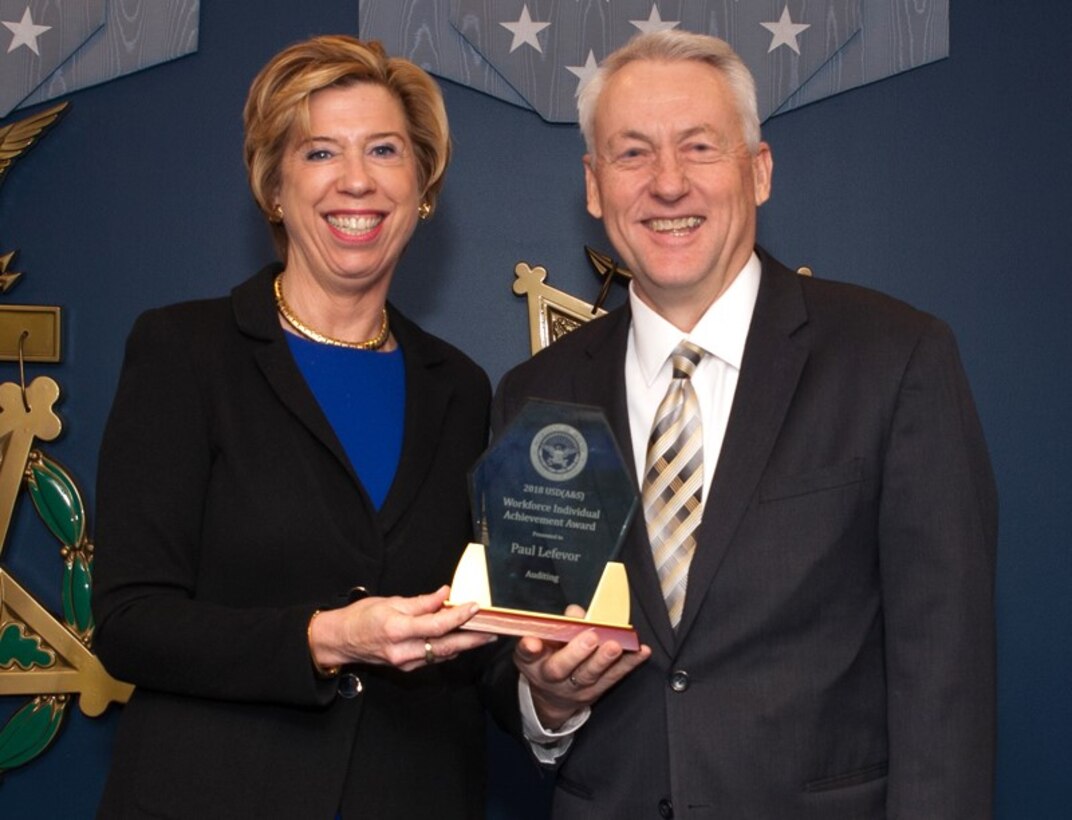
632 134
698 129
370 138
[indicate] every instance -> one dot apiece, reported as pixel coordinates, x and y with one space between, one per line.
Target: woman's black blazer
227 513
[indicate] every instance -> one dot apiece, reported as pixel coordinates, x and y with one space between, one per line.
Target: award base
607 614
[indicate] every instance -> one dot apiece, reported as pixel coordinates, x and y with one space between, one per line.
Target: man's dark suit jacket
228 512
836 655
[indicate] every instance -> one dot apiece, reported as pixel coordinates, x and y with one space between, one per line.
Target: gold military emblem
43 656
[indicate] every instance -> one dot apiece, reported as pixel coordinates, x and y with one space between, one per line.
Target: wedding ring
429 655
574 681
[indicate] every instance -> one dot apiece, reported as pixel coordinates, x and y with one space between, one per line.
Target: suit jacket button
666 808
679 680
350 685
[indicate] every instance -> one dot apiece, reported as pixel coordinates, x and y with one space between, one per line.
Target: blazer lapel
256 316
427 396
770 371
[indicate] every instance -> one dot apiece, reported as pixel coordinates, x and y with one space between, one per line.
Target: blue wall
946 186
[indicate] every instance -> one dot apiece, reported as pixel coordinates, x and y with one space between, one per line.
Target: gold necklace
375 343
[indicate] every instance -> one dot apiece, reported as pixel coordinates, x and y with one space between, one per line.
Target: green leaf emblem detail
77 592
57 500
29 731
25 650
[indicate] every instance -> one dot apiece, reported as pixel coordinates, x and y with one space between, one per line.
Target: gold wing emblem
17 138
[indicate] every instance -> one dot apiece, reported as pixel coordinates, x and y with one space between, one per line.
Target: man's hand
565 678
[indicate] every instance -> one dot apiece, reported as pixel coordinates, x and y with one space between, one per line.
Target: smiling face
674 183
349 190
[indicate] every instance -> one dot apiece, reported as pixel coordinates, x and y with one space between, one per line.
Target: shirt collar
721 331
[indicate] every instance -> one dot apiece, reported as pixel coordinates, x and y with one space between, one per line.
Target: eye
318 154
700 152
632 156
389 152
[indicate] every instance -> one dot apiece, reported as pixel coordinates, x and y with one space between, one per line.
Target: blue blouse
363 395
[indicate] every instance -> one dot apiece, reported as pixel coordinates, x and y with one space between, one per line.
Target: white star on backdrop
785 31
584 72
655 22
26 33
525 31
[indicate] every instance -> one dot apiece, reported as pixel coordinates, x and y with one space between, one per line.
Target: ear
591 187
762 169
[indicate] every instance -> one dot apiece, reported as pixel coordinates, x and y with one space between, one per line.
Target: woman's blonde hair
278 103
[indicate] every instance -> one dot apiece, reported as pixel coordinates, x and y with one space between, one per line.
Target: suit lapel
770 371
602 382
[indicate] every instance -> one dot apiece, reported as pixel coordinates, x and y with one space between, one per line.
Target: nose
354 176
670 180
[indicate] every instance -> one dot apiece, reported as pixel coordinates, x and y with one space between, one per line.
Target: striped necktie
673 480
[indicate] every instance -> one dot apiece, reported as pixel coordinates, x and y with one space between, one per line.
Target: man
822 643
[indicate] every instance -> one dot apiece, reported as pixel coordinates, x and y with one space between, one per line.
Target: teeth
678 226
354 224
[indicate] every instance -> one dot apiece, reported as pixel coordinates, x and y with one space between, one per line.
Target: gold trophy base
607 614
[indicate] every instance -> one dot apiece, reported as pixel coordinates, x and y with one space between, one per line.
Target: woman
282 490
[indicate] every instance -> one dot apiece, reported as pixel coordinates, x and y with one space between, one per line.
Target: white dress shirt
721 332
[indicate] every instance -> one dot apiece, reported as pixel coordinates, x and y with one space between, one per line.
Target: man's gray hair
672 46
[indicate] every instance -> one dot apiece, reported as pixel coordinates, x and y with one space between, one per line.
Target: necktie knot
684 359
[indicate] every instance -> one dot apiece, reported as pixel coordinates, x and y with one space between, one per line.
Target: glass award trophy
552 501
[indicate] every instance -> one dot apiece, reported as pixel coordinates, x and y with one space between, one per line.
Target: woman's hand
406 633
